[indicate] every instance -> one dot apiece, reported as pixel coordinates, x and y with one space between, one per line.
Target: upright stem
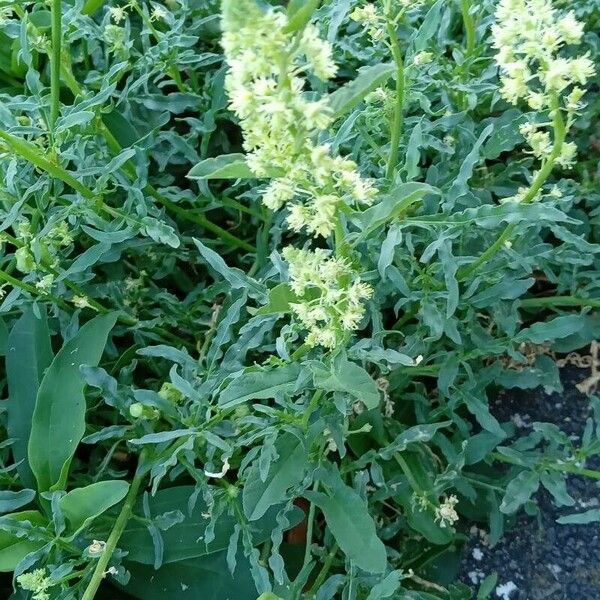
469 25
560 133
116 532
55 62
398 119
559 301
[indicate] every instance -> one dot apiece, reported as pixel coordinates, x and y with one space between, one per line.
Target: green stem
560 133
116 532
55 62
311 408
560 301
414 484
562 468
469 25
398 118
324 571
310 528
4 276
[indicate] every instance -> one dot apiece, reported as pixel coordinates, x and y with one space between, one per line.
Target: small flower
331 296
117 13
82 302
221 473
158 14
36 582
422 58
96 548
446 514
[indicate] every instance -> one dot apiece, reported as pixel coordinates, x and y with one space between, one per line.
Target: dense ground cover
263 264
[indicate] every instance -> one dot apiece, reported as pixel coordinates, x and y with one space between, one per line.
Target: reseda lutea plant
262 264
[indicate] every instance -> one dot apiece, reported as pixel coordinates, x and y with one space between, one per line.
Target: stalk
398 119
562 468
469 25
560 301
560 133
116 532
55 62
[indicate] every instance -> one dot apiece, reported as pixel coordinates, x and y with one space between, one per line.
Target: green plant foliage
264 263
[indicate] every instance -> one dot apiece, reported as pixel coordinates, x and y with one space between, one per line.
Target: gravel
539 558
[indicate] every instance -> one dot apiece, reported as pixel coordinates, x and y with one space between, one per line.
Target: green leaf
345 376
299 13
234 276
347 516
280 298
285 472
344 99
29 354
82 505
487 587
412 435
583 518
205 577
185 539
556 484
393 205
519 491
478 408
10 501
558 328
260 385
3 338
59 417
428 27
227 166
387 587
13 548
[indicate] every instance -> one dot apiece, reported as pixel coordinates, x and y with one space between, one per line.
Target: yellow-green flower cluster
529 36
36 582
266 83
331 295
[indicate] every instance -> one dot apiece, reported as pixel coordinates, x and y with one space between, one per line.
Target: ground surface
539 558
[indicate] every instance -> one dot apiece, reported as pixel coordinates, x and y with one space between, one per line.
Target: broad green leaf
204 577
387 587
412 435
557 328
347 516
186 539
260 385
227 166
299 13
519 491
59 417
13 549
28 355
3 337
344 99
556 484
428 27
10 501
280 298
479 409
234 276
345 376
491 216
392 205
82 505
582 518
487 587
285 472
